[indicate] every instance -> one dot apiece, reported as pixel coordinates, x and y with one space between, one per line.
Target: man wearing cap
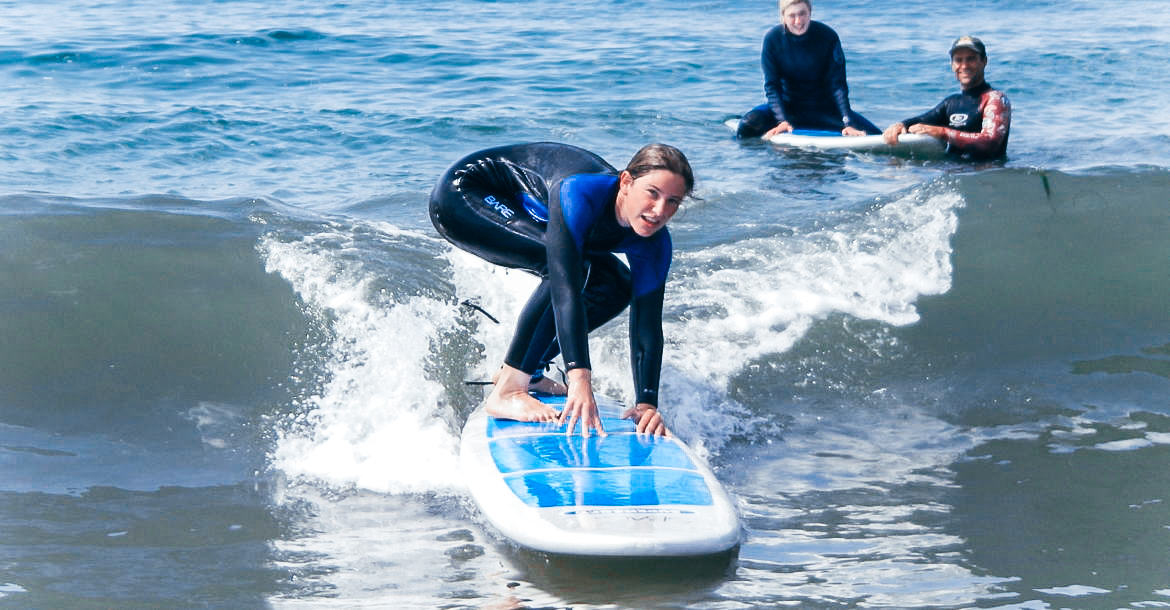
975 122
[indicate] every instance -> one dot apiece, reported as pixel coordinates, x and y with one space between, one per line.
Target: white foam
8 588
217 423
501 293
1129 444
1028 605
760 296
1074 591
378 412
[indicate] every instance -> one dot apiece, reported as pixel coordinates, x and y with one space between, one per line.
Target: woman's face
797 18
647 203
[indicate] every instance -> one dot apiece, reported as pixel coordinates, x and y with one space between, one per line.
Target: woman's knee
756 122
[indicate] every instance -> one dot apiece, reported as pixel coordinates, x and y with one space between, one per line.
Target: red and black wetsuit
491 203
978 122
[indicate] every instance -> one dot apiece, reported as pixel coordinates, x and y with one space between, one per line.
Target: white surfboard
832 140
622 495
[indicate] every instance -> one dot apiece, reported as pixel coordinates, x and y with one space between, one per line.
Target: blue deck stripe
616 487
505 427
559 450
817 133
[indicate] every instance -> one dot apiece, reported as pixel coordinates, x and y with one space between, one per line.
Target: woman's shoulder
589 182
777 30
580 192
820 29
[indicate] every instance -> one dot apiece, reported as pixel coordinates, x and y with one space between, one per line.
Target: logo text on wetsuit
499 206
959 119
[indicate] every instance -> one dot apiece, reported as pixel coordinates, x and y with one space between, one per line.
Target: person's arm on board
934 116
646 345
840 85
890 135
773 66
567 281
997 119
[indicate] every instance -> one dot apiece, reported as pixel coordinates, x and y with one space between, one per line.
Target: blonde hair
785 4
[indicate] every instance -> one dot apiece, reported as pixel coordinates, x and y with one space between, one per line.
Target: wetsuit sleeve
934 116
566 276
988 141
649 266
837 81
646 344
772 63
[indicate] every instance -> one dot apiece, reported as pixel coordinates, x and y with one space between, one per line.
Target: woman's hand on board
581 405
647 418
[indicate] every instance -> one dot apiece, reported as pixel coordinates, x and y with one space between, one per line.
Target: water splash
378 422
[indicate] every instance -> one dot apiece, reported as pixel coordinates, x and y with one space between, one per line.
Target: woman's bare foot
510 399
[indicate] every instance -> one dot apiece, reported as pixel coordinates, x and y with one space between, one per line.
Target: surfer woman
804 77
491 203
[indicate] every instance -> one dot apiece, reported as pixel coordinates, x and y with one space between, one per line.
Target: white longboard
832 140
622 495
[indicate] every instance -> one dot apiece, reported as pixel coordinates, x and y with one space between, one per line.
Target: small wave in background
235 357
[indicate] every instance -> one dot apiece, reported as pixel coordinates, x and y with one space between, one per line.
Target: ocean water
234 362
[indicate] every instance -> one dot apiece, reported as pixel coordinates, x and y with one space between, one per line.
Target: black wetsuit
490 203
804 78
978 122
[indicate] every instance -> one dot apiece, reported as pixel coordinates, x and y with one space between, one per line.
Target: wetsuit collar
979 89
607 232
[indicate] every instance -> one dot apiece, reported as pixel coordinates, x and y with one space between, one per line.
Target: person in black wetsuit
561 212
975 123
804 78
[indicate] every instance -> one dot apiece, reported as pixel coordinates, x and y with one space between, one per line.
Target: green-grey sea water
233 356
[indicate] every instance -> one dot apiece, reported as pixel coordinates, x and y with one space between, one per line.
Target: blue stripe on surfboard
498 428
616 487
817 133
610 420
563 451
